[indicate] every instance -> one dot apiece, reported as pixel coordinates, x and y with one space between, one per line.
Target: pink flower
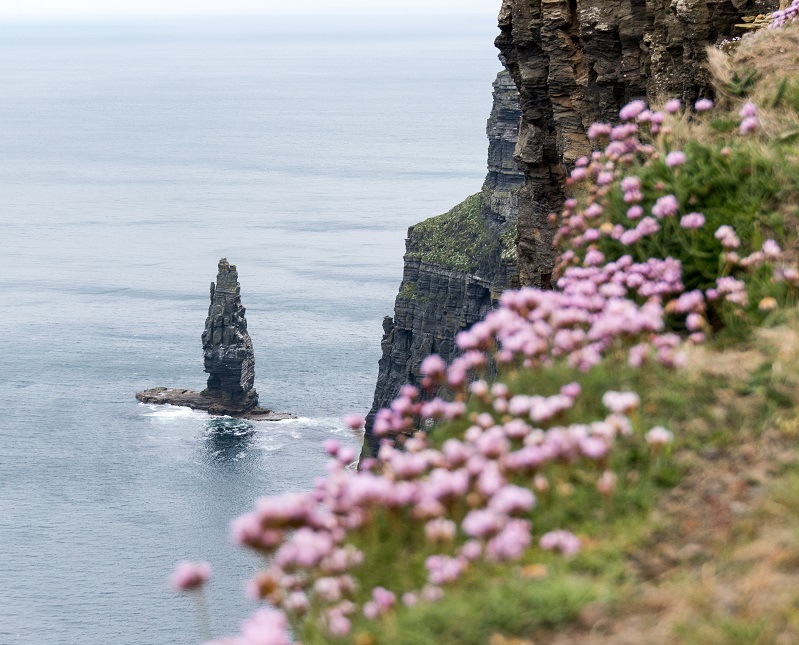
665 206
749 124
266 627
659 436
692 220
621 402
440 530
433 366
606 484
564 541
337 623
384 598
703 105
188 576
604 178
635 212
512 499
748 109
694 322
511 542
483 523
771 249
409 599
673 106
597 130
726 235
630 184
353 421
371 610
578 174
675 158
632 110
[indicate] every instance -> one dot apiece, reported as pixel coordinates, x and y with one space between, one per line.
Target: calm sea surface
133 157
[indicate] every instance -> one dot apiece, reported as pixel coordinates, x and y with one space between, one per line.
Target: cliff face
455 265
579 61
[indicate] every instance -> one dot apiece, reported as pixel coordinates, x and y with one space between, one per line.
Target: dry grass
771 56
722 563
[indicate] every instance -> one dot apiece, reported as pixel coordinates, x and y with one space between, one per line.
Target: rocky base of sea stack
246 409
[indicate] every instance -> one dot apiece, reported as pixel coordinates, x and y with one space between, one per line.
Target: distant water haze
133 157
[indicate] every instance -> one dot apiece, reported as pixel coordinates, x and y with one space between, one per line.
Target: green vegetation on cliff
458 240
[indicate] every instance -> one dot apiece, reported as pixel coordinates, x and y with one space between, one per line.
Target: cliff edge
455 265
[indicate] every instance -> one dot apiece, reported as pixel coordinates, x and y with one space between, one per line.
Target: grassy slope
701 547
456 240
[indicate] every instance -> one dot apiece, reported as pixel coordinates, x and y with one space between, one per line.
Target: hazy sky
102 8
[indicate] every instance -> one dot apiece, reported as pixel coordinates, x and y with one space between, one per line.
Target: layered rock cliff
227 347
455 264
579 61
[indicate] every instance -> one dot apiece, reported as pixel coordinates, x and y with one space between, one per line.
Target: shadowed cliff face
455 265
579 61
227 347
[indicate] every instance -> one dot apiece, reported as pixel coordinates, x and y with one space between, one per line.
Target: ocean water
133 157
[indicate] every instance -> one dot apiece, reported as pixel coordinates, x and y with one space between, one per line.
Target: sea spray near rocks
229 359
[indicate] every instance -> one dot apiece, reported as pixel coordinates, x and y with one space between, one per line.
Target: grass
711 408
458 240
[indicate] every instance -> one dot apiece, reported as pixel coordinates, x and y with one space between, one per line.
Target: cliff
578 61
455 264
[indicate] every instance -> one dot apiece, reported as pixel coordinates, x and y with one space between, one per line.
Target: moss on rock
458 240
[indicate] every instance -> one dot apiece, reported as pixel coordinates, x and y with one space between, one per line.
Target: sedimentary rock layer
227 347
579 61
455 265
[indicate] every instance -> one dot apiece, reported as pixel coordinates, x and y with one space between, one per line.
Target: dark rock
229 356
210 403
229 360
579 61
501 186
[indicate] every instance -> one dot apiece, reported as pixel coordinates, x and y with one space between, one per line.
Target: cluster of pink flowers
474 498
471 499
189 576
585 224
785 16
593 312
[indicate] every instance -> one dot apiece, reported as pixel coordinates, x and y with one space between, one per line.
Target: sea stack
229 359
229 356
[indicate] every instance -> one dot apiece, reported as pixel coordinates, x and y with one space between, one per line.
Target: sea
133 156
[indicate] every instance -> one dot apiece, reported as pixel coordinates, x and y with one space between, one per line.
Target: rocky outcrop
455 265
502 183
227 347
229 359
210 404
579 61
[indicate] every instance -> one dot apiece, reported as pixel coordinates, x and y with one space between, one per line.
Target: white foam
173 412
